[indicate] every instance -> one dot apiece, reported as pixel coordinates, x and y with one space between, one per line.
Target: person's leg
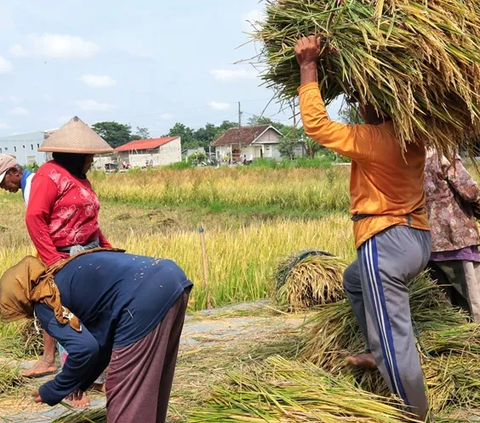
134 378
353 287
472 286
388 261
46 365
455 279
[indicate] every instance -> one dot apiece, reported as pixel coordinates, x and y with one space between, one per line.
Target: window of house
38 145
24 146
31 146
6 148
15 149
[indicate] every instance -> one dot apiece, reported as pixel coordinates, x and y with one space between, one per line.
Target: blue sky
144 63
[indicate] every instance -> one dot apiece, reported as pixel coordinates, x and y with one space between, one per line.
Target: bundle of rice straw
418 60
282 391
449 346
96 415
309 279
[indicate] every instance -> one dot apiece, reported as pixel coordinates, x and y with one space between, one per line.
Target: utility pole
239 131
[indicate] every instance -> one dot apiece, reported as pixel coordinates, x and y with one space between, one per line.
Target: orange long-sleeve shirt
384 184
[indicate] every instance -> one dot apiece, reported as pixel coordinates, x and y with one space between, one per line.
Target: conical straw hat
75 137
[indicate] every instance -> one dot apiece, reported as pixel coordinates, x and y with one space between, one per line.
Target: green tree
115 134
141 133
206 135
187 134
350 115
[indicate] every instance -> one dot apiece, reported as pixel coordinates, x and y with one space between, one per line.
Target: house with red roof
152 152
248 143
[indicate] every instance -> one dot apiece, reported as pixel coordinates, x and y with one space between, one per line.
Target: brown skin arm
307 52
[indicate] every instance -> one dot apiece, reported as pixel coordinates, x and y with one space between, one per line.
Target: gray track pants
376 285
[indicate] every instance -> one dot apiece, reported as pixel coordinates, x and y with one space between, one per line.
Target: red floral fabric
62 211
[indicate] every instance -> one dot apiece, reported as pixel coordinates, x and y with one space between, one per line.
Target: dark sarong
140 375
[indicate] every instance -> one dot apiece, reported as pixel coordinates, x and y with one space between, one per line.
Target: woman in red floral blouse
62 214
63 209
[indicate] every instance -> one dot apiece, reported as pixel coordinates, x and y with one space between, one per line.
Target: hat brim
2 176
75 151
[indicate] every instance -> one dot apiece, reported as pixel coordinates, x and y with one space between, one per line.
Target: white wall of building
171 152
24 147
164 155
269 137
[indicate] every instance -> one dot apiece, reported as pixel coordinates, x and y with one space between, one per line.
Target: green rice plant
308 279
416 61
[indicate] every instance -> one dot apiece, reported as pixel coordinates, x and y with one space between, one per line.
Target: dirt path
214 342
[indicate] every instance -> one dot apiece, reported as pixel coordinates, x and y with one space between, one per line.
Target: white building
152 152
24 147
250 143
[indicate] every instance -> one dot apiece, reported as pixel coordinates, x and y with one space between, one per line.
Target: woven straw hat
75 137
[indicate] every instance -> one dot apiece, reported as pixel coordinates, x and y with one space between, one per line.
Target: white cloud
98 81
219 106
5 65
10 98
55 46
227 75
19 111
94 106
251 19
4 126
166 116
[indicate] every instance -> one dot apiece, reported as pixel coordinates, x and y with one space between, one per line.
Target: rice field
252 219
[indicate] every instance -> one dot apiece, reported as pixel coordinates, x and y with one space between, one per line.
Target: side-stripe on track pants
376 285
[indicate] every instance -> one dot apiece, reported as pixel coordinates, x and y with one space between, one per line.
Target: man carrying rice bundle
106 306
390 226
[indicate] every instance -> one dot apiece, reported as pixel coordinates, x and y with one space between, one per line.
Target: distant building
154 152
24 147
249 143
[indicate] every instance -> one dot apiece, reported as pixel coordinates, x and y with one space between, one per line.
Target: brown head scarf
29 282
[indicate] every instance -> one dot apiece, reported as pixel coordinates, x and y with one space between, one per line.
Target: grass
303 190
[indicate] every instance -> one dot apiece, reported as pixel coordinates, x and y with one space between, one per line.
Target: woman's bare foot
42 367
365 361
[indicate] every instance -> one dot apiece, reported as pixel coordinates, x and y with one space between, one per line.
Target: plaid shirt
450 192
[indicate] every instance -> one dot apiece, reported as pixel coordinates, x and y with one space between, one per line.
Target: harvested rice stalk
98 415
288 391
309 279
418 61
20 339
10 378
450 347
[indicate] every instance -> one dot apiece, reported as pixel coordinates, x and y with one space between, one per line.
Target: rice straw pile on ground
96 415
416 60
449 346
309 279
10 378
288 391
21 339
